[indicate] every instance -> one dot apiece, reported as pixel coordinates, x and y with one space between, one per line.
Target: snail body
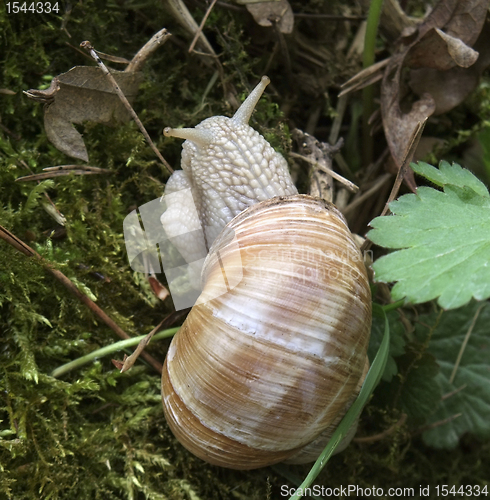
272 355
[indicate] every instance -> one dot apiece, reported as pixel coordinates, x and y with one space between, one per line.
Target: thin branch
88 46
109 349
382 435
67 283
357 201
201 26
463 345
51 208
60 170
439 423
452 393
148 48
129 361
412 146
347 183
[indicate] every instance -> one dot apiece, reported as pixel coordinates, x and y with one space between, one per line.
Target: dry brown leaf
462 55
441 51
450 88
467 20
273 12
399 127
79 95
462 22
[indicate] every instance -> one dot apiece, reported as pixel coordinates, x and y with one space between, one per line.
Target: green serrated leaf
450 174
460 342
444 239
421 393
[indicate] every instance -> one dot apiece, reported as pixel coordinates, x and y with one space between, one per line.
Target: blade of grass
372 379
104 351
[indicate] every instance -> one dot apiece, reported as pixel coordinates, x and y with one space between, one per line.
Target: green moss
97 434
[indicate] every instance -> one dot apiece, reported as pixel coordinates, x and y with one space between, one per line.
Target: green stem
394 305
371 381
368 92
104 351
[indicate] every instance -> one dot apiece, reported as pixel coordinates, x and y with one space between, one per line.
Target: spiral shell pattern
258 372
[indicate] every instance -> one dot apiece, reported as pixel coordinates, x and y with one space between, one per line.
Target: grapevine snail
255 375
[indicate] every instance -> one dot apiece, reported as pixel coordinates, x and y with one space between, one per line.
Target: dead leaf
47 95
273 12
399 127
462 55
450 88
441 51
467 20
119 364
161 291
462 22
83 94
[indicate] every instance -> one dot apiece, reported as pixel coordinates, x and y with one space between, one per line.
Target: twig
164 324
365 77
382 435
14 136
97 170
337 121
61 170
452 393
347 183
412 146
104 351
463 345
113 59
148 48
379 182
445 421
201 26
131 360
184 18
66 282
88 46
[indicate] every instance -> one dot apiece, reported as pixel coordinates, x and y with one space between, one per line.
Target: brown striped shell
274 353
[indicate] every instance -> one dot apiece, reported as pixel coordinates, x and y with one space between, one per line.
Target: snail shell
260 370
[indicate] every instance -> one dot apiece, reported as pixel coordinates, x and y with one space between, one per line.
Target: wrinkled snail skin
257 373
228 166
